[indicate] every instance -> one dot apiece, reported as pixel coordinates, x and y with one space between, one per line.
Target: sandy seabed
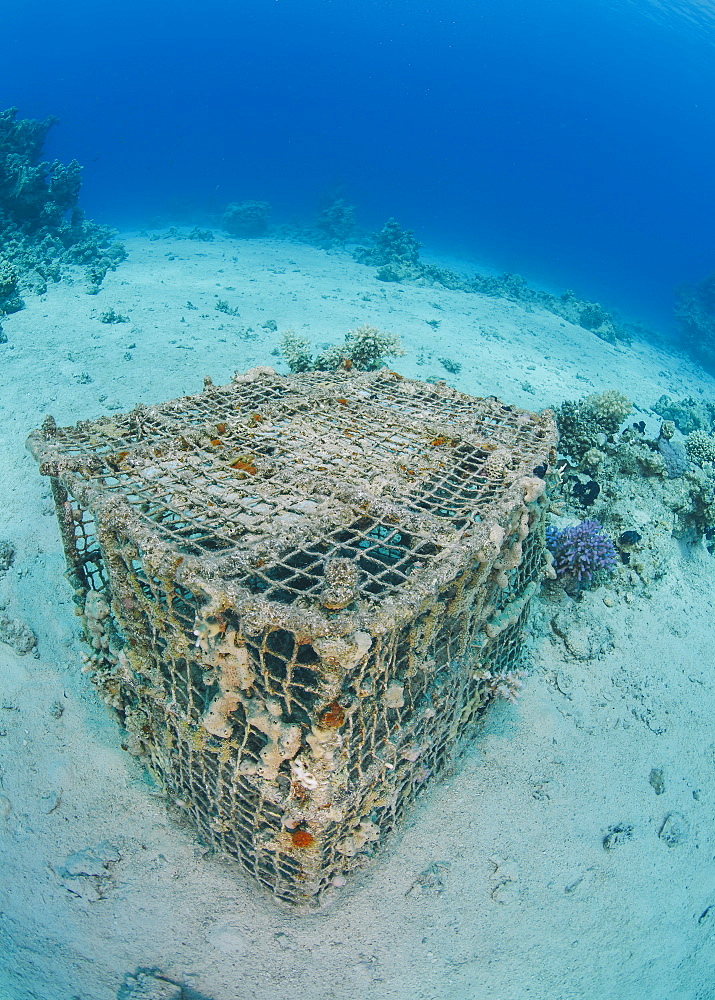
499 885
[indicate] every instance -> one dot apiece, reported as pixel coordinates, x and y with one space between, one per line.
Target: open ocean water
573 143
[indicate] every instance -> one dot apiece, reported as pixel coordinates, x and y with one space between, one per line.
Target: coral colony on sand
365 349
580 552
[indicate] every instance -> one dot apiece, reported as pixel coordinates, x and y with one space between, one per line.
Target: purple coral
581 551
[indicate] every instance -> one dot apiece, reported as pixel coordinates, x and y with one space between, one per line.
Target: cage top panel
300 468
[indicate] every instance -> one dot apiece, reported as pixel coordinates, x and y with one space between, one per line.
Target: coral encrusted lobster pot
299 592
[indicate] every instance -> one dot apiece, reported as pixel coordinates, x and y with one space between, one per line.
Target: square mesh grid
299 593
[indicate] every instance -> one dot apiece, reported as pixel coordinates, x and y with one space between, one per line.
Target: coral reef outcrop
246 218
586 424
695 314
42 231
336 222
649 490
687 414
396 254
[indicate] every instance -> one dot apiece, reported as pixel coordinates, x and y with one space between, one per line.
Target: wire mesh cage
299 593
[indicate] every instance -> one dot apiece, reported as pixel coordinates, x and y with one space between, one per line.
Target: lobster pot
299 592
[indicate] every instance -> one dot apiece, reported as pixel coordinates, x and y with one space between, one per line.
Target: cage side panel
407 707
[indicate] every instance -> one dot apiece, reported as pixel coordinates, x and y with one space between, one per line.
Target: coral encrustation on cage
299 593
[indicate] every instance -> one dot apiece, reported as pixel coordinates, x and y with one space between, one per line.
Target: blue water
573 142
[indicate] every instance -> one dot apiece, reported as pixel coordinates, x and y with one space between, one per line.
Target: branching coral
297 352
700 447
609 408
581 422
364 349
581 552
